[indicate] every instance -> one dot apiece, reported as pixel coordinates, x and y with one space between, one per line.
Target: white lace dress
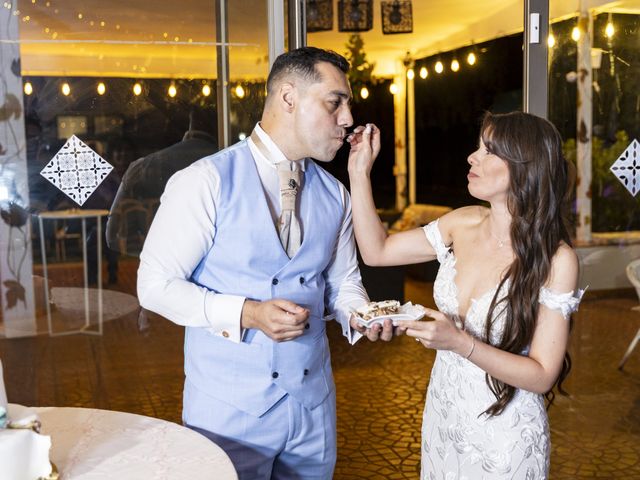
458 443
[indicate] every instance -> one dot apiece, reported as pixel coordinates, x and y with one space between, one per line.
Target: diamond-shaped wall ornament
76 170
627 167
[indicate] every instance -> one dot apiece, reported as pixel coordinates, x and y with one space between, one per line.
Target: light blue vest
247 259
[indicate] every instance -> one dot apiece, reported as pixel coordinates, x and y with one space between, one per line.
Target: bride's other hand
365 147
440 334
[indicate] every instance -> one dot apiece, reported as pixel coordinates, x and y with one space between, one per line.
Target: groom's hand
278 319
376 332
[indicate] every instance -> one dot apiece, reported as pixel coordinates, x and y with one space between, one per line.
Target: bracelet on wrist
473 347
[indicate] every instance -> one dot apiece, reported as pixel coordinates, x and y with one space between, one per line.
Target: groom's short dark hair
302 62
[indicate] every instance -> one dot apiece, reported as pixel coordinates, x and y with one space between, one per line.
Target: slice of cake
378 309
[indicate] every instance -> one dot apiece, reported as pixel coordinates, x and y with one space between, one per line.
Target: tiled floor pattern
380 387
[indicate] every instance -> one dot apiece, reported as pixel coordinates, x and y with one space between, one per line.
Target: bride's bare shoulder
461 220
465 216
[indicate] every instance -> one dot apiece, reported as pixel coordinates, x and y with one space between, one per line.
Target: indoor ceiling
155 38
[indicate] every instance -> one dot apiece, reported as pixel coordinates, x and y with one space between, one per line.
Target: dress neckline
472 300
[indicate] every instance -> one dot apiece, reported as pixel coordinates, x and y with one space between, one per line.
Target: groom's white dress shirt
184 230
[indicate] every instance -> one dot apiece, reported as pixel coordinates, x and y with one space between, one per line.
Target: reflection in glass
615 56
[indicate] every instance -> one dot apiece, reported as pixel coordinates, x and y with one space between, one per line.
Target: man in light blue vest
258 371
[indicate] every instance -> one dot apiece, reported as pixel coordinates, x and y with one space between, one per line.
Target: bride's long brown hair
538 203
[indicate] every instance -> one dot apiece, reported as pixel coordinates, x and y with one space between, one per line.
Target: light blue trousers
288 442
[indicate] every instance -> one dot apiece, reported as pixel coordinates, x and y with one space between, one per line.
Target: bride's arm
376 246
536 372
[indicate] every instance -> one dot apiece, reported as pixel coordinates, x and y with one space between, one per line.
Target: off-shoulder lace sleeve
565 303
432 233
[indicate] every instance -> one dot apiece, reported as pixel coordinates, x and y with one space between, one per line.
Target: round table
91 444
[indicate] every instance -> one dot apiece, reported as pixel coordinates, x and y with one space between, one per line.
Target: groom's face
323 113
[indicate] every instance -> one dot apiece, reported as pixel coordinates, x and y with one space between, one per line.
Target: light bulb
206 90
66 89
455 65
575 34
551 40
172 91
364 93
28 88
239 91
471 58
609 30
424 73
411 74
101 88
439 67
393 88
137 89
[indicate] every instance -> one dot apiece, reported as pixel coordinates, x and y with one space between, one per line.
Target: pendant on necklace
501 243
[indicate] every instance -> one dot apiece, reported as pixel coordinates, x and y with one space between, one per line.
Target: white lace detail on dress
435 239
565 303
445 292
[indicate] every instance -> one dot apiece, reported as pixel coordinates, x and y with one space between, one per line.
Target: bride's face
488 175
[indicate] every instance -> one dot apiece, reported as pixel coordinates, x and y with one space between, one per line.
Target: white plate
408 311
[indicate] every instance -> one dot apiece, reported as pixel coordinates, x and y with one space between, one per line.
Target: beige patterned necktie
288 226
290 176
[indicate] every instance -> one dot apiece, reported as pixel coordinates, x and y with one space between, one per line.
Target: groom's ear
287 96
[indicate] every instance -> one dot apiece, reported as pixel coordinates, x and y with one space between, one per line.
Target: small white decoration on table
627 167
77 170
3 400
3 393
24 453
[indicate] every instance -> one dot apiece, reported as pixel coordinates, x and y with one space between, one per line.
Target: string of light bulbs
239 91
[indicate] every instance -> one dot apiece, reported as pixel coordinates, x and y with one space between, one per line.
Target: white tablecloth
92 444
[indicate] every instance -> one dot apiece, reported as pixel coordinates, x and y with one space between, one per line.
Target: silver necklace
501 243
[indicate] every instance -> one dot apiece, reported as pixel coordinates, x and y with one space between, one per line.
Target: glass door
100 103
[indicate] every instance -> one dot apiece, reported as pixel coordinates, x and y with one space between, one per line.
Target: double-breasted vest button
306 371
307 326
275 375
274 281
301 280
225 334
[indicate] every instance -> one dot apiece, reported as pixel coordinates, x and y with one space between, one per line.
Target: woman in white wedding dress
505 291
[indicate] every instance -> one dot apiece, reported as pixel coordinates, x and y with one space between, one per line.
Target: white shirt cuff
343 317
354 336
224 313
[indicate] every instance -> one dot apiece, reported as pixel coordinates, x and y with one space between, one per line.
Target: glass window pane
109 99
248 65
594 91
611 106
